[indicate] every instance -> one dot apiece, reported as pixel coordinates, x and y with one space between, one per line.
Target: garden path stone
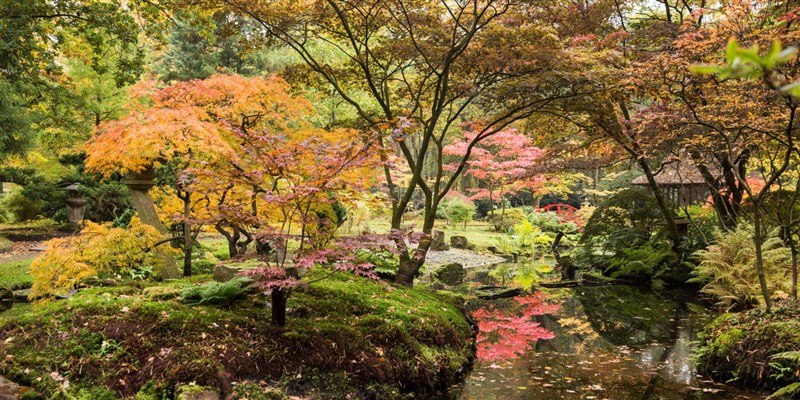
466 258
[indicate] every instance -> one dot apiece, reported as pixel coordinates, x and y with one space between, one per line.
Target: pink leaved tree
501 164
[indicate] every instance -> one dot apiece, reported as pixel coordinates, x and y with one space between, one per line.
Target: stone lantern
76 204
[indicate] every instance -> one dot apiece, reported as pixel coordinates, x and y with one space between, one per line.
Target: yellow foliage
98 249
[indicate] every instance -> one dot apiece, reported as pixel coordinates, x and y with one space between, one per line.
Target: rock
21 296
451 274
8 390
194 392
458 242
224 273
438 243
6 298
492 249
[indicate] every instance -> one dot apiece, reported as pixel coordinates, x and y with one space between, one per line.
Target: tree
501 164
778 148
173 128
413 69
35 34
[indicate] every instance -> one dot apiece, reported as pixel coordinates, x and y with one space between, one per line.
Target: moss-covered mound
346 337
739 348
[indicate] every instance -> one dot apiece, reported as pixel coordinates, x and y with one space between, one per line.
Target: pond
602 342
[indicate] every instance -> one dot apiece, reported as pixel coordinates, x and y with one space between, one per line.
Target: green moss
345 335
16 274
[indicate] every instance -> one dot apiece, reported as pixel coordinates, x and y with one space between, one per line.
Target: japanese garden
399 199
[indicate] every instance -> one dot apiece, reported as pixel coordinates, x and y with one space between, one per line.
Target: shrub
5 244
647 262
22 208
98 249
458 210
504 221
728 271
628 219
550 222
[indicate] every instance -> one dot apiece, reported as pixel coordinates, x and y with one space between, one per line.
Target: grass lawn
478 233
16 274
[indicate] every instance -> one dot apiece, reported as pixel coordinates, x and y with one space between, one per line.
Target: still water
604 342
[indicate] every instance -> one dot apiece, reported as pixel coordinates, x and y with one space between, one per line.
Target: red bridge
564 211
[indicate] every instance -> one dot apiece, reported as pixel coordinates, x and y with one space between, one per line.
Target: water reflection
610 342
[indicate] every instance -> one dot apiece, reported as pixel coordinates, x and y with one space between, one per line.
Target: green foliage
22 208
628 218
747 63
457 211
645 263
727 268
756 349
216 293
626 224
505 220
550 222
97 250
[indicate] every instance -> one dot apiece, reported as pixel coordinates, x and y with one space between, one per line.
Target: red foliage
506 334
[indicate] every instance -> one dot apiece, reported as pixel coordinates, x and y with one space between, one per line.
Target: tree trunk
793 247
410 264
758 241
666 211
278 299
231 238
188 240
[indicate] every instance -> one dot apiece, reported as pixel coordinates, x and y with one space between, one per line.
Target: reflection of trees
628 315
509 330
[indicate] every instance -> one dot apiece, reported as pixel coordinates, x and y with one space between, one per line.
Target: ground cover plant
346 336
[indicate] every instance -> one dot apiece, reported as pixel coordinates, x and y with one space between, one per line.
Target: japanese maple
501 163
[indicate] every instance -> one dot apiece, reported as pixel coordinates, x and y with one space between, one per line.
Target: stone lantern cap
73 188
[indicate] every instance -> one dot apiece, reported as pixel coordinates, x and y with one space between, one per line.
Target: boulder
458 242
224 273
451 274
437 242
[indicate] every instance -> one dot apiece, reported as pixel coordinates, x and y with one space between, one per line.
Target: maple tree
411 70
501 163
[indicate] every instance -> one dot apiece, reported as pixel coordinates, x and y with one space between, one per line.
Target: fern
787 392
728 271
216 293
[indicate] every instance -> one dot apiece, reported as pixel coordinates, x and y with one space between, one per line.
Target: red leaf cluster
506 334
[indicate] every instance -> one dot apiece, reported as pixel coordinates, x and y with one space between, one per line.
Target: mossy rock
195 392
452 274
162 292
